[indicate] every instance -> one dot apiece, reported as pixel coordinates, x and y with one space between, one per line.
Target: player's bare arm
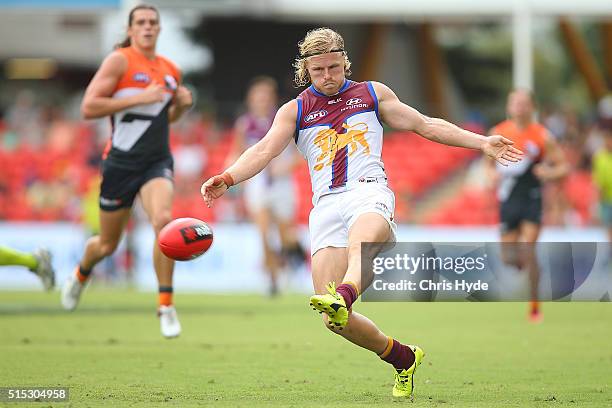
257 157
98 101
182 102
403 117
554 166
491 174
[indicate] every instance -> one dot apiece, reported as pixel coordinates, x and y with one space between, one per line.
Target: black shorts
120 186
518 209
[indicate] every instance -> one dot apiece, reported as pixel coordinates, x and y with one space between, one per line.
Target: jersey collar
342 89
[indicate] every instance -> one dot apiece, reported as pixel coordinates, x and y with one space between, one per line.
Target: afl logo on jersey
170 82
141 77
315 115
353 101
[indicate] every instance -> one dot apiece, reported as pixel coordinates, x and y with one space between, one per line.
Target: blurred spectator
602 175
60 133
23 120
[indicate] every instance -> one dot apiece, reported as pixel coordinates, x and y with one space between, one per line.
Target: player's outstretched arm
403 117
255 158
98 101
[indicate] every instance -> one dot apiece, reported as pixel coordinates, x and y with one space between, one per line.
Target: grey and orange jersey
140 134
518 179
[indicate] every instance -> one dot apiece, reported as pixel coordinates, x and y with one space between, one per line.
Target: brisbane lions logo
330 142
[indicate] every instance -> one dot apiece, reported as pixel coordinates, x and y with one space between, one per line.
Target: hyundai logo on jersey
353 101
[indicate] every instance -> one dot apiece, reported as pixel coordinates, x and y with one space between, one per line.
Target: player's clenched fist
152 93
215 186
183 97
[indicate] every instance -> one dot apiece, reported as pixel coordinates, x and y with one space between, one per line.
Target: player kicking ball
337 126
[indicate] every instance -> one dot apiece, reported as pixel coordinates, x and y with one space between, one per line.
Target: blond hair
318 41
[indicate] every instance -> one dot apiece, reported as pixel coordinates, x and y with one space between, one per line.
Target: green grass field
244 351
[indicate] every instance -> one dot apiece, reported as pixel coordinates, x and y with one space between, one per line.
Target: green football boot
404 385
333 305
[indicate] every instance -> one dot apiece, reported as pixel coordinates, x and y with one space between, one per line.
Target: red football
185 238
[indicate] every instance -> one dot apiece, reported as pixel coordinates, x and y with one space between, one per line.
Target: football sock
535 306
165 295
11 257
82 274
349 292
400 356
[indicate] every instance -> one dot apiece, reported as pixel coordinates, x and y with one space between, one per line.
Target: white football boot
169 322
71 292
44 269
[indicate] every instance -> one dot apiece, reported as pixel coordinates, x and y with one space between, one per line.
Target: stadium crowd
50 169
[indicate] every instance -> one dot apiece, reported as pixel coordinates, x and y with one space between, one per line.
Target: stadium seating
470 207
415 166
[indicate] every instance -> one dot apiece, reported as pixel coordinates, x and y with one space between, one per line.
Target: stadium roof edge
59 4
390 9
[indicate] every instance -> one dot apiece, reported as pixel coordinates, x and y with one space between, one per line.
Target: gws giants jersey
340 136
140 133
517 179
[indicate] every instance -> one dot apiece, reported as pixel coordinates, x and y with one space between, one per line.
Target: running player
141 92
268 194
38 262
336 124
520 186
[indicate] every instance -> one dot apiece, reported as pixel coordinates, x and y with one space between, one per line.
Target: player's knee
160 220
368 251
108 248
354 247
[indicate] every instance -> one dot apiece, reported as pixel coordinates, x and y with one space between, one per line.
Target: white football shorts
334 214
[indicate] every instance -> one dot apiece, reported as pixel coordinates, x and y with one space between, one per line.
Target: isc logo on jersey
315 115
170 82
